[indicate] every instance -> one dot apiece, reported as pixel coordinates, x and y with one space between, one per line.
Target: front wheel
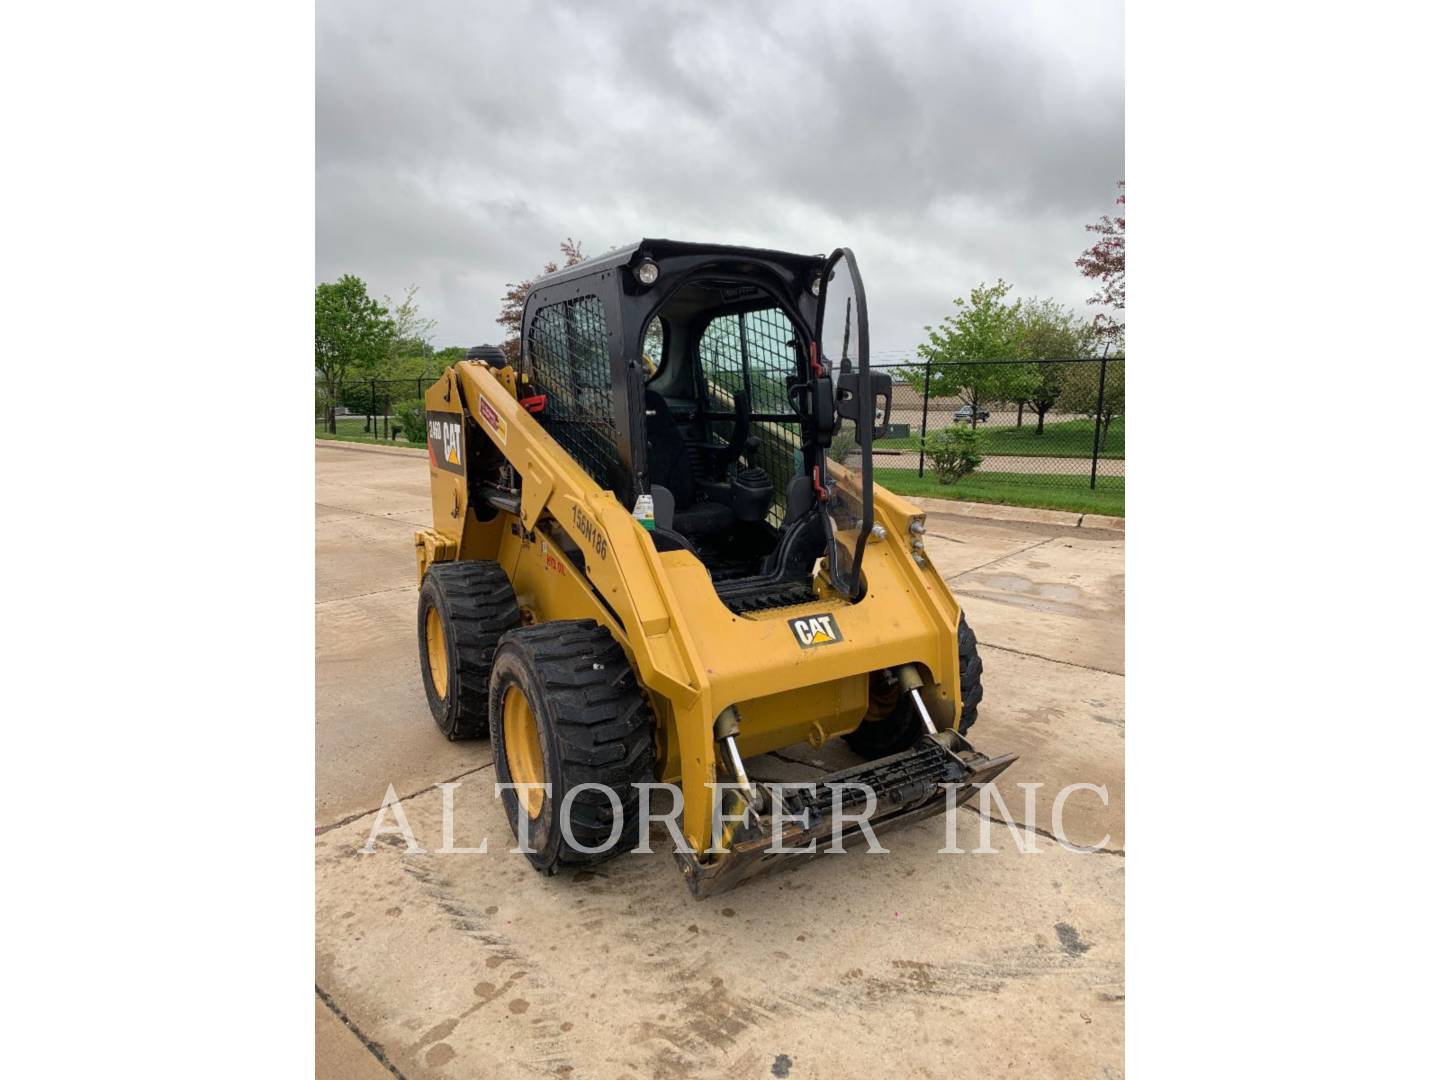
571 723
892 724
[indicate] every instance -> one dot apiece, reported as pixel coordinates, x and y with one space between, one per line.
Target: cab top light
647 273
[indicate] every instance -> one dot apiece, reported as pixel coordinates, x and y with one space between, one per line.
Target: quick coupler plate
907 787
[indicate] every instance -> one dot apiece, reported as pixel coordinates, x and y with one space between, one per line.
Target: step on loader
659 550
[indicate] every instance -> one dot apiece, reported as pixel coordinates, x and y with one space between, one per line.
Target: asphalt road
911 964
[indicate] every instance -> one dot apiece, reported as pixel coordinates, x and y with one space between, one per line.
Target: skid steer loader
658 549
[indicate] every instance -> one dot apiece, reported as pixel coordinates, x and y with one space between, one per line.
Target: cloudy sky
946 143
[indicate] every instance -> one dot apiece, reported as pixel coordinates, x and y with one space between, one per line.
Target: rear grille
765 595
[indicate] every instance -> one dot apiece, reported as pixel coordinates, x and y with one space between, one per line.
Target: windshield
844 345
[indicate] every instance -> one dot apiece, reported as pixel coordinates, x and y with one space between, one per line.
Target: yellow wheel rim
435 652
522 750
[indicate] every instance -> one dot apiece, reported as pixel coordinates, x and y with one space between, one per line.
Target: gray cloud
457 144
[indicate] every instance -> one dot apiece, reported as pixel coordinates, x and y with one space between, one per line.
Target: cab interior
723 439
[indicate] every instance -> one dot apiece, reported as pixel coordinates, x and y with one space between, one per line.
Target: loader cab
695 374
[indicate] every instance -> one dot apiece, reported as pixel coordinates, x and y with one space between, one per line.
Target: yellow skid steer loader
658 550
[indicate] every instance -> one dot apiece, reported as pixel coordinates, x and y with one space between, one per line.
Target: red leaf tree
512 304
1105 261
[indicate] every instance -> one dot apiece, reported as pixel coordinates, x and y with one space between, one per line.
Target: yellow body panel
693 655
447 490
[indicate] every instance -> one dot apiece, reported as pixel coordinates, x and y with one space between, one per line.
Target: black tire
476 607
893 725
594 727
972 689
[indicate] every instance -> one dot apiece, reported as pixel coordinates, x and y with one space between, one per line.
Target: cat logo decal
813 630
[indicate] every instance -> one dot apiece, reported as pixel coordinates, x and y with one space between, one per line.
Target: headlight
647 273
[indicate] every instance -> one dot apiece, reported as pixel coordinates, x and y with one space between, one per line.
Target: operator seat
670 467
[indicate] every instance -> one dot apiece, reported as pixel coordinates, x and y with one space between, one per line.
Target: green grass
1015 489
352 429
1063 438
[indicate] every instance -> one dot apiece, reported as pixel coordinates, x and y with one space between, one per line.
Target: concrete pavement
915 963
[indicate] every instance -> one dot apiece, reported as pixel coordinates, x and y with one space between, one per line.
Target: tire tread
482 609
604 727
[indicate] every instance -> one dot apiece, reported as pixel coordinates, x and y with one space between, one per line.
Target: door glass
844 344
840 340
755 351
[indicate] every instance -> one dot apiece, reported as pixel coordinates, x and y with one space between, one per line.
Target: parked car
962 414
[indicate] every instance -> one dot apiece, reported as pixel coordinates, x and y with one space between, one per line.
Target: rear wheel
465 608
570 714
892 724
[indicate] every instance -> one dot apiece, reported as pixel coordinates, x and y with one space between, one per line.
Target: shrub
409 417
842 445
355 396
953 453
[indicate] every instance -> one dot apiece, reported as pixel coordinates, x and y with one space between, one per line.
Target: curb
994 511
366 448
1024 514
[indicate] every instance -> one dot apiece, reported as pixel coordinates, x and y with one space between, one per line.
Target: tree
1105 261
1082 394
408 357
450 354
512 304
352 334
1049 331
412 330
985 328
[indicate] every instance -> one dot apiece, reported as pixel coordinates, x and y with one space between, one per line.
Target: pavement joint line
1050 659
365 513
321 830
370 1044
357 596
941 536
796 761
1045 833
1002 558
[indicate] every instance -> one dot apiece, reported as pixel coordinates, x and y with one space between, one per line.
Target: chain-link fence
372 410
1045 423
1047 432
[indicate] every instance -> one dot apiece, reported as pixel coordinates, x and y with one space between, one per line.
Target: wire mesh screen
767 335
1028 432
569 362
722 362
751 352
